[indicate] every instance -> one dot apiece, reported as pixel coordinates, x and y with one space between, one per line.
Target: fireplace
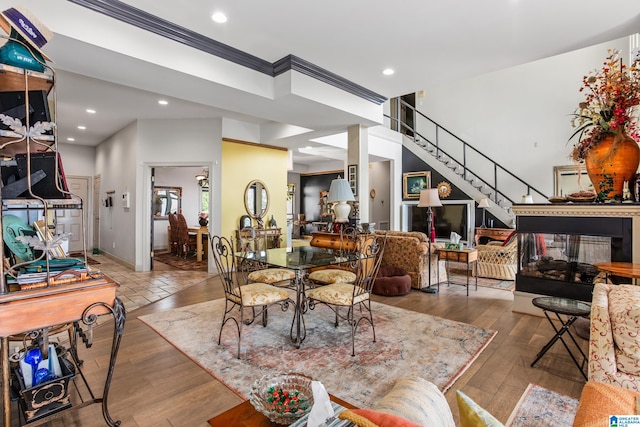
558 246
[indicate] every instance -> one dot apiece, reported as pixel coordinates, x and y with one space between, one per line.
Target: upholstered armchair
409 250
614 342
497 261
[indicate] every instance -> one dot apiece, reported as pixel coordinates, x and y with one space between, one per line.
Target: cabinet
57 299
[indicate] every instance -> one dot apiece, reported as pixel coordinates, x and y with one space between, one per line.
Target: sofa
614 343
409 250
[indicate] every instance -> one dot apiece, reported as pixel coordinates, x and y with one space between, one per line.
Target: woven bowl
282 397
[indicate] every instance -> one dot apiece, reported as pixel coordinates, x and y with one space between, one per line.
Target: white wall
116 164
519 116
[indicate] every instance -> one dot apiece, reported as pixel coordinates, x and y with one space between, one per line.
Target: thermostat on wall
126 200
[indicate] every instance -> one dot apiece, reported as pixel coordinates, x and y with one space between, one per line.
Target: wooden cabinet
487 234
258 238
75 298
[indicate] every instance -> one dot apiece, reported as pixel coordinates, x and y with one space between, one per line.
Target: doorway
73 221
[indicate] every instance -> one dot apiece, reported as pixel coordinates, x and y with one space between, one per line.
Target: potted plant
607 128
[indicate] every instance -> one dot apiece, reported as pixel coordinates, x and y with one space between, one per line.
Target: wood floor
156 385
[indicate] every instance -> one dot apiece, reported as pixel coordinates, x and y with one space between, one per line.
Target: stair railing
464 152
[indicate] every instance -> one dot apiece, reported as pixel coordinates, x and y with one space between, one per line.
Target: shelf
13 79
37 203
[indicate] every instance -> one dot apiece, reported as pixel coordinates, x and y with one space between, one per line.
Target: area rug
540 407
408 343
189 263
460 276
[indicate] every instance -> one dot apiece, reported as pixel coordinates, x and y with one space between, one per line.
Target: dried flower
612 96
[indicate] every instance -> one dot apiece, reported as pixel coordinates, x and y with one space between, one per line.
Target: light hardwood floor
156 385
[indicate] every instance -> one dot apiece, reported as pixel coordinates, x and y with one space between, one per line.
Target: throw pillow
371 418
509 238
599 400
472 415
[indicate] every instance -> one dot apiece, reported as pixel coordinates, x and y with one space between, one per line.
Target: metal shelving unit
75 303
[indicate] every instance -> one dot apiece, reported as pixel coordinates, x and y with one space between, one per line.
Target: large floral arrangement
612 95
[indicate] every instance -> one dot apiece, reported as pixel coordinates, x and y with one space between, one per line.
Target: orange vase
612 162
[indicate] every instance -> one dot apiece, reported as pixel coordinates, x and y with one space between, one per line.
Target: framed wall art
352 177
414 182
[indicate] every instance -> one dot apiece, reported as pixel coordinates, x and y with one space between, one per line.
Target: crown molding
148 22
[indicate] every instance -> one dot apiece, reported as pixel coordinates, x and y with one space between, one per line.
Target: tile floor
138 289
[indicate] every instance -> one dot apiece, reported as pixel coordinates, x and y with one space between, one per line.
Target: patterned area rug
189 263
408 343
540 407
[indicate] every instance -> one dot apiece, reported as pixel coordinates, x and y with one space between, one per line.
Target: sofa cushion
417 400
624 313
371 418
473 415
598 401
509 238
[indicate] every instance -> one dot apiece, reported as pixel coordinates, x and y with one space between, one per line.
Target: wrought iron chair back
238 296
365 261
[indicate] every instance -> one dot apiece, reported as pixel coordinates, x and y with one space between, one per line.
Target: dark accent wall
310 188
412 163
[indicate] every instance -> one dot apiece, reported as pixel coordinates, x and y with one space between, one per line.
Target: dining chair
174 243
254 270
341 273
187 242
238 297
357 295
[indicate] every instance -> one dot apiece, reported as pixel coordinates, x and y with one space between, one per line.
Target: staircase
463 165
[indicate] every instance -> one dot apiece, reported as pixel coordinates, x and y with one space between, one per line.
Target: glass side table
568 307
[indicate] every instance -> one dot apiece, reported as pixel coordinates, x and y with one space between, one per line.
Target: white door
96 211
70 220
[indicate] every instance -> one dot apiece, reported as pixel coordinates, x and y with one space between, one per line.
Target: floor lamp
484 204
429 198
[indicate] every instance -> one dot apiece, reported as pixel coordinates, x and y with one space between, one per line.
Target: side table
624 269
466 256
568 307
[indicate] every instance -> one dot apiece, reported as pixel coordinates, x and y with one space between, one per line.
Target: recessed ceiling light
71 139
163 102
219 17
82 127
308 147
90 111
388 71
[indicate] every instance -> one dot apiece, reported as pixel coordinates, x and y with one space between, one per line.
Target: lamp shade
429 197
340 191
483 203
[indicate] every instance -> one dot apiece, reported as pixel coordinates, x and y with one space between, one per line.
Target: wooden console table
74 303
492 233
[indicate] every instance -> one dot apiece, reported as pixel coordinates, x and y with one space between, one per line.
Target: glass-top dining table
300 259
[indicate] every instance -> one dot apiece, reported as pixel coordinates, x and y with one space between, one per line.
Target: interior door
96 211
70 220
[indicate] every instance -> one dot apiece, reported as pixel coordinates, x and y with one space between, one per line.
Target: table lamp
484 204
429 198
340 193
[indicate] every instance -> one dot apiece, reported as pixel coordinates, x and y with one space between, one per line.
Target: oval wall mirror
256 199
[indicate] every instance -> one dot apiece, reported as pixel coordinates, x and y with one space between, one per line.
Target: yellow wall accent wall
242 163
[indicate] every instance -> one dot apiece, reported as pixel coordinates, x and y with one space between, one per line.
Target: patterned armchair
409 250
614 343
496 261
